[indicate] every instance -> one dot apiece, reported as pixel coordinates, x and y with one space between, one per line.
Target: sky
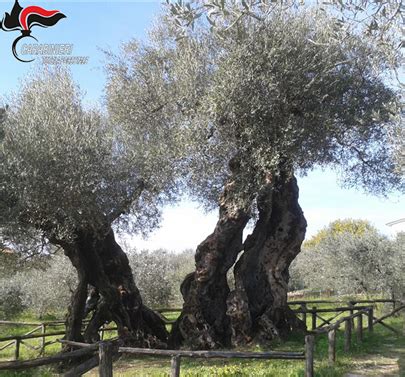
95 26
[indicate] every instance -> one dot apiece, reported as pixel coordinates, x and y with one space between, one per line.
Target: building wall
396 226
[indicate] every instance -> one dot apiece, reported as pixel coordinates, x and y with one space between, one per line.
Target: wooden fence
18 340
352 323
108 350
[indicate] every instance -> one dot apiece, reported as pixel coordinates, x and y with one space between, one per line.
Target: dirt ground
389 364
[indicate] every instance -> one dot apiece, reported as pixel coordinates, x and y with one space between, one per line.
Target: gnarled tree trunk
101 262
258 306
74 319
203 323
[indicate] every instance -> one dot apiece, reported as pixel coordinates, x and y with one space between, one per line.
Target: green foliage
44 285
158 275
398 137
11 300
43 288
152 272
291 91
8 262
66 167
397 267
380 22
351 258
55 149
289 82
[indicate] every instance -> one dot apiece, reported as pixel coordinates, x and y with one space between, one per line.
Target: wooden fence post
348 334
370 319
332 346
359 329
43 331
313 317
17 348
403 332
304 313
105 355
309 355
393 301
351 311
175 370
101 332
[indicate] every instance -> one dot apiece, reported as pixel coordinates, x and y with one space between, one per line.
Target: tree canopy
352 258
292 90
65 167
228 110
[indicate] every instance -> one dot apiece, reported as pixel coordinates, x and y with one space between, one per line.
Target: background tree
398 137
42 285
356 227
69 173
159 274
397 266
259 99
352 262
44 288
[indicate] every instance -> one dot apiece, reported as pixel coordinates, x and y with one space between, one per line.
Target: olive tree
11 299
356 227
347 262
397 266
47 289
352 262
260 94
398 137
70 173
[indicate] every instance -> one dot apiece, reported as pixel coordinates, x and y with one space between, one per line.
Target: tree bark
74 318
203 323
101 262
258 307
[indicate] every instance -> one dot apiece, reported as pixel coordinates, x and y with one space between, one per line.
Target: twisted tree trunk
74 319
258 306
203 323
101 262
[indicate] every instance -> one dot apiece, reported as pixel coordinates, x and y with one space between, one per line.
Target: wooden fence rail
107 352
314 311
331 331
352 324
26 364
177 355
18 340
349 328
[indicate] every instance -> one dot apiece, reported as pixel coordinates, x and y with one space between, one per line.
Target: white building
397 226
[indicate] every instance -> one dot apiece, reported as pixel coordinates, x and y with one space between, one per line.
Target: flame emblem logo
23 19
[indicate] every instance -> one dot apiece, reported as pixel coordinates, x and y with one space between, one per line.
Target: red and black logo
23 19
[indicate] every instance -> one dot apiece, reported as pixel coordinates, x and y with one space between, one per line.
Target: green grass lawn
381 342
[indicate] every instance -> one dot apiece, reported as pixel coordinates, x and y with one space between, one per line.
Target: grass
381 342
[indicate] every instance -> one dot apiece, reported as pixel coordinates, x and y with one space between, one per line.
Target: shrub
11 299
159 273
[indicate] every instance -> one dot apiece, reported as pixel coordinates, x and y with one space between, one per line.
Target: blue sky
90 26
94 26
